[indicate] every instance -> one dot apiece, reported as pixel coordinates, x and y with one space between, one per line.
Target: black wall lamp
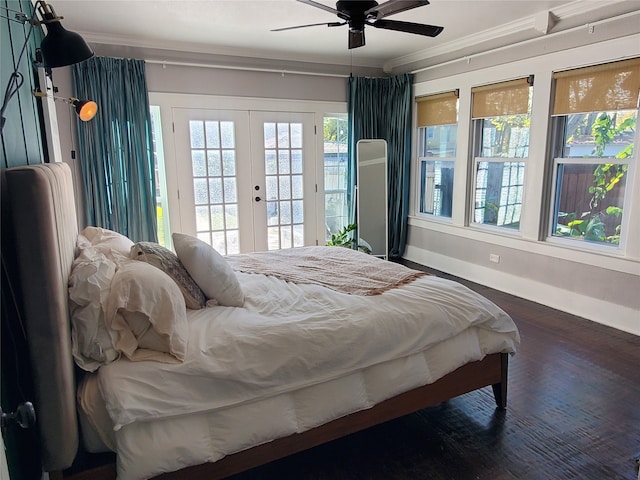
59 48
85 109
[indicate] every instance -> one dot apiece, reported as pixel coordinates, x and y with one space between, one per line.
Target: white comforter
289 336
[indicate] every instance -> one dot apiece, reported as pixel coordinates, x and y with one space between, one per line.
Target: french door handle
258 199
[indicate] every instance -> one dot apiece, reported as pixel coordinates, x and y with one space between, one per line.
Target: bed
238 389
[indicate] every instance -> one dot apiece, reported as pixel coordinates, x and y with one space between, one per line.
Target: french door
246 179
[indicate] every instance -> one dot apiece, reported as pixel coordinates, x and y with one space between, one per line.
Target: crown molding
198 48
565 17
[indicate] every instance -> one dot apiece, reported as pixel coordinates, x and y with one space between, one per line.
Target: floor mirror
371 189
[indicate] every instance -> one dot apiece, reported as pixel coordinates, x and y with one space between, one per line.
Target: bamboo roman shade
505 98
439 109
611 86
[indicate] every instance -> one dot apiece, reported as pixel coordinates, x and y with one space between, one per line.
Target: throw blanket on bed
341 269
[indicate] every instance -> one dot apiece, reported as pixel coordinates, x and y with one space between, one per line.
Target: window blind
505 98
439 109
610 86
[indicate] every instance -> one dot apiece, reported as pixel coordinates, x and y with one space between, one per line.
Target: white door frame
168 101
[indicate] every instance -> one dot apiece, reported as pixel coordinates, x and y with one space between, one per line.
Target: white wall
600 286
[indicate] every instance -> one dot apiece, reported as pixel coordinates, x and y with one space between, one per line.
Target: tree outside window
596 111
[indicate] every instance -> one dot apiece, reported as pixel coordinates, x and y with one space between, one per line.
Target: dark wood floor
573 413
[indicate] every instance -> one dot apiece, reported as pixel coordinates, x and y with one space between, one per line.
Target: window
594 116
336 161
437 139
501 121
162 204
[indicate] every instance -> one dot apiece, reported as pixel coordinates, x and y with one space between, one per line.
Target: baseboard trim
594 309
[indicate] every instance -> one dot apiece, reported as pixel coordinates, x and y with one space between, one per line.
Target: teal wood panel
22 138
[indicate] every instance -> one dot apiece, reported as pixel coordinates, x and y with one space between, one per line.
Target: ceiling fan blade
356 39
330 24
392 7
408 27
320 5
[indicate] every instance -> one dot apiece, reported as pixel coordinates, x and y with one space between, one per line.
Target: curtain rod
250 69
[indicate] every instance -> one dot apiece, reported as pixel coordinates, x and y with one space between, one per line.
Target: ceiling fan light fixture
359 13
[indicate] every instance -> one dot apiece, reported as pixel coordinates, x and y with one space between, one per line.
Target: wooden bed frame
492 370
42 207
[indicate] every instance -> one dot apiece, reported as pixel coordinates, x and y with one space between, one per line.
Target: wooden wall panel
22 138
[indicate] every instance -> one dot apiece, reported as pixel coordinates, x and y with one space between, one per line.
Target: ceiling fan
358 13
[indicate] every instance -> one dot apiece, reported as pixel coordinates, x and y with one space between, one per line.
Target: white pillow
167 261
209 269
143 297
89 286
112 244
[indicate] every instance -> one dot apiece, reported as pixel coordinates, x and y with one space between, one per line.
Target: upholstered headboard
43 216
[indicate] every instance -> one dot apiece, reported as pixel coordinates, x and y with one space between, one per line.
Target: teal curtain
116 147
382 108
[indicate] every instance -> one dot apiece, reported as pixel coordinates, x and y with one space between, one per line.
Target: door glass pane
202 218
284 217
285 190
296 161
214 183
283 162
269 135
296 186
270 163
200 191
229 162
226 134
213 163
198 164
197 134
296 135
283 135
215 190
213 134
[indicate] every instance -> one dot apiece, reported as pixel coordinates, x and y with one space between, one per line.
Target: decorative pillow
147 311
89 286
112 244
209 269
168 262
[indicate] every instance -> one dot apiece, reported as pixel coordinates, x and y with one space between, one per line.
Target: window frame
421 159
477 131
622 78
419 184
559 123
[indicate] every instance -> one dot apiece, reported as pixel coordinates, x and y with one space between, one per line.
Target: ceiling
242 27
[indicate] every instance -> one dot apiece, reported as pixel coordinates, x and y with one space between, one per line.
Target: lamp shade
86 109
61 47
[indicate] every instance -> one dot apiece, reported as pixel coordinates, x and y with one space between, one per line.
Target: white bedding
293 357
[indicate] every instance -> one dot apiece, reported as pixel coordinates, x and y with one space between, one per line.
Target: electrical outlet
494 258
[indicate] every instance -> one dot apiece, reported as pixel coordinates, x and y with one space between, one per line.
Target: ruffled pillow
209 269
147 312
167 261
113 245
89 287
